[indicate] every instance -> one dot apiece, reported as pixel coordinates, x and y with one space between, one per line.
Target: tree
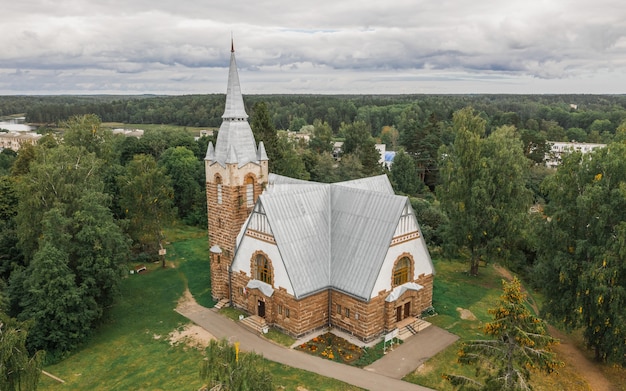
85 131
146 197
263 130
324 169
321 140
483 190
75 249
18 370
186 172
404 174
290 163
390 136
57 177
520 344
228 369
9 252
356 134
582 247
350 167
7 157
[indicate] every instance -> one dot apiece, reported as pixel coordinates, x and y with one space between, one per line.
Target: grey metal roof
297 219
332 235
363 224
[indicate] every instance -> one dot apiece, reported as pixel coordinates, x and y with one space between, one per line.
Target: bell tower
236 172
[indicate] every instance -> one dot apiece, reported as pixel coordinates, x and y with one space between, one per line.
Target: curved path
222 327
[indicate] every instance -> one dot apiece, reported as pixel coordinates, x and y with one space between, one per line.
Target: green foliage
264 131
73 276
187 174
582 246
404 174
18 370
321 139
431 220
7 157
520 343
350 167
146 197
290 162
224 365
323 168
483 190
85 131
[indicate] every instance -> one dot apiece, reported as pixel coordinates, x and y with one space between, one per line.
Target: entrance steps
221 304
411 326
255 323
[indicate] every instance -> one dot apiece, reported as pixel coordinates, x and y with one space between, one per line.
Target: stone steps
412 328
255 323
221 304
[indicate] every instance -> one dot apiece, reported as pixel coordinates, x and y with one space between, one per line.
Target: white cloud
350 46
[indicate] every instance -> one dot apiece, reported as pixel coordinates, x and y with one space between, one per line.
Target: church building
304 255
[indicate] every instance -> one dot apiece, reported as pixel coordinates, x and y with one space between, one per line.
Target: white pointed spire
234 100
210 152
261 154
235 141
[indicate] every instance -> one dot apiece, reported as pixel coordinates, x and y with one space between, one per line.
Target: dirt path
568 352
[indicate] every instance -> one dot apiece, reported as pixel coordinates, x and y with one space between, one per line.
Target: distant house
302 255
559 149
15 140
129 132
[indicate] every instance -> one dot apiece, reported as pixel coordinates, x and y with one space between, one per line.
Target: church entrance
261 308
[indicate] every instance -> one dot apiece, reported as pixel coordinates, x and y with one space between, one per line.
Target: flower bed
332 347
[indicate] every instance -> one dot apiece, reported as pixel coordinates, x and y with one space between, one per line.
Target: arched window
218 181
250 191
263 269
401 271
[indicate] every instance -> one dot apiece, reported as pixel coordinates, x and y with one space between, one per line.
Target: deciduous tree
146 197
582 247
19 371
483 190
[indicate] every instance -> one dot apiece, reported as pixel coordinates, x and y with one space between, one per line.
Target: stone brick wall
226 219
364 320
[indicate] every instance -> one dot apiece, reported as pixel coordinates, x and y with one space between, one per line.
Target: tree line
585 118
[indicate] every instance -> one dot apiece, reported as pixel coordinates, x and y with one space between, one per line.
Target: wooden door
261 308
398 313
407 309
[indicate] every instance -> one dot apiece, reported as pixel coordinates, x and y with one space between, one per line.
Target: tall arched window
218 181
263 269
401 271
250 191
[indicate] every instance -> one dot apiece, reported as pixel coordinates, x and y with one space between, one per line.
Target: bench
140 268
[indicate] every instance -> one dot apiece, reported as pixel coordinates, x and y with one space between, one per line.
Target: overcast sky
310 47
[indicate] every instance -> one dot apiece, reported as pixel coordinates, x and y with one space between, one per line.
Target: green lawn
131 351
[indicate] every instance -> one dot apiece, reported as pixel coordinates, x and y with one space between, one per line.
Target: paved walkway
383 376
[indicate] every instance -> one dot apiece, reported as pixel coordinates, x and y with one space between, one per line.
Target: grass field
455 289
131 350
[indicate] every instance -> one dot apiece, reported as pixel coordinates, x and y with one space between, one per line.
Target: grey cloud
151 46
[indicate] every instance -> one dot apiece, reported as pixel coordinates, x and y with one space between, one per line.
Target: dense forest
84 202
590 118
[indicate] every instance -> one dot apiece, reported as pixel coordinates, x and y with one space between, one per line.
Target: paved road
372 379
413 352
